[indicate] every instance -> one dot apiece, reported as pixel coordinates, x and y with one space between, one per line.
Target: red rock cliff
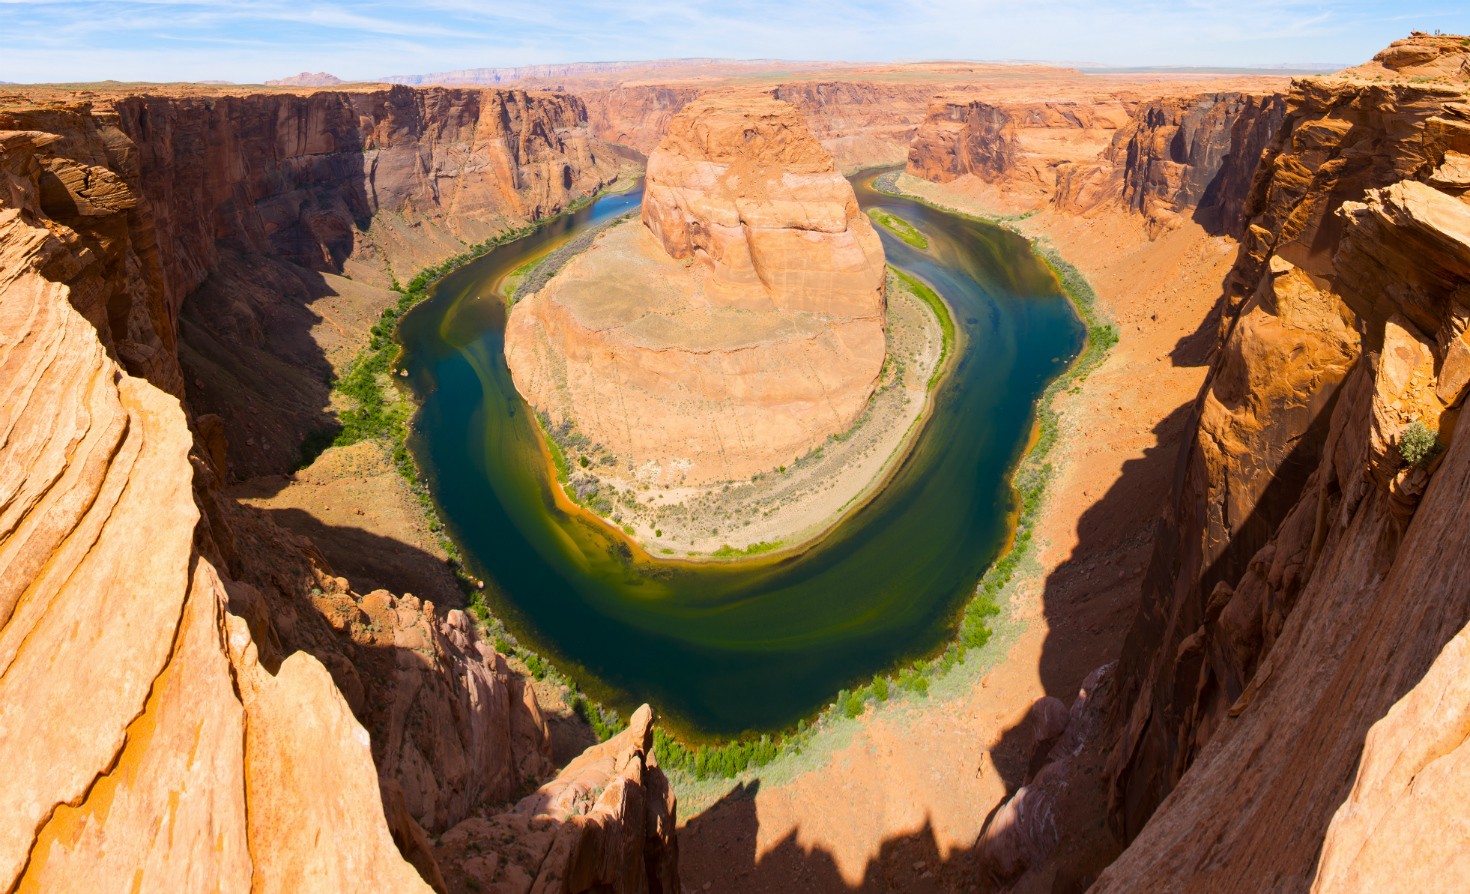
254 707
1162 157
1307 574
860 123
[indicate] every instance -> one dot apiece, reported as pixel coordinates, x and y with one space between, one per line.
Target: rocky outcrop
860 122
1420 55
737 328
605 823
1178 155
257 715
1306 575
1164 157
162 778
1015 150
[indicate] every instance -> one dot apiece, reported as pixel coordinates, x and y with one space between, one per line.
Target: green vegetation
726 760
941 311
727 551
900 228
1418 443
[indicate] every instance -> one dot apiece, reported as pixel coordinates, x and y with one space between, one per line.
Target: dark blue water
756 645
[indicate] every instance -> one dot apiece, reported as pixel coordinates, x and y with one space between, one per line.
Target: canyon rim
1221 642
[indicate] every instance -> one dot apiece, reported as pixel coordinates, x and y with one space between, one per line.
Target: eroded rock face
254 206
147 782
1162 157
1307 576
605 823
1016 148
860 123
1410 792
737 328
256 713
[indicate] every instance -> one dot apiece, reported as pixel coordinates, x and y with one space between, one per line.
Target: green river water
755 645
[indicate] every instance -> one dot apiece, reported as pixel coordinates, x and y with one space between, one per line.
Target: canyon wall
1192 153
284 218
1014 148
860 123
1307 574
737 328
254 706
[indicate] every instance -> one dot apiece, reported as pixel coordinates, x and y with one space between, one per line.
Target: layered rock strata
258 208
1163 157
262 727
1016 148
861 122
1306 577
734 329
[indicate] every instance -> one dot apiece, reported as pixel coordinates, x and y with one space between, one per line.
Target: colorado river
755 645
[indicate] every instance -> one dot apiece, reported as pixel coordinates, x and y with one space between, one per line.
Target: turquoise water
724 649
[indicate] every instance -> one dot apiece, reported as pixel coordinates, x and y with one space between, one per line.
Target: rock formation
257 208
1307 574
261 727
1162 157
737 328
1191 154
1420 55
861 122
1015 148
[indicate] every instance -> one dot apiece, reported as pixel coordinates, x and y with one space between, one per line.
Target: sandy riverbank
895 799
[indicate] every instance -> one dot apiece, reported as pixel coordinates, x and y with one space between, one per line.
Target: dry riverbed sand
896 799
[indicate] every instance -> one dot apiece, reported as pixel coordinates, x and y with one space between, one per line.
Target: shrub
1417 443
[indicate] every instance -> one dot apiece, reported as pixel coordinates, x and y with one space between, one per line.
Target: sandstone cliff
259 207
1183 153
861 122
1015 148
1306 577
254 707
737 328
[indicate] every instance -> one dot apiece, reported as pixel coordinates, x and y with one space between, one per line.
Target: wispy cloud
251 40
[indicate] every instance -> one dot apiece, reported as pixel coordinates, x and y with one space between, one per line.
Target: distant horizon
1084 67
252 41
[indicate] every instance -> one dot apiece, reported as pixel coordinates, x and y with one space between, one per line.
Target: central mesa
736 329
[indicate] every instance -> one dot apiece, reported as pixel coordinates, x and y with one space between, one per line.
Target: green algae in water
750 646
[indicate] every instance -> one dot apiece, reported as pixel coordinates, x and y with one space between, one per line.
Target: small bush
1417 443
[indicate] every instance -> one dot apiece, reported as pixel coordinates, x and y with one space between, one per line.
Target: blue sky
250 40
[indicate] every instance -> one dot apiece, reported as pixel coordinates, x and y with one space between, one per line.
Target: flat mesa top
626 281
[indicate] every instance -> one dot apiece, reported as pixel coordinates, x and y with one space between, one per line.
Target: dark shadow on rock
253 344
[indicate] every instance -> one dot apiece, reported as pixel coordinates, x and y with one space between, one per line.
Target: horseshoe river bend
725 648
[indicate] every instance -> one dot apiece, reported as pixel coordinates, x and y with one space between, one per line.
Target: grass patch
729 552
900 228
941 310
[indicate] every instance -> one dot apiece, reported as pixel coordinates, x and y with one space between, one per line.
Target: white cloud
251 40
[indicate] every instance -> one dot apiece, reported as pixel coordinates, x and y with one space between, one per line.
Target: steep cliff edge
283 218
737 327
1181 153
1307 576
254 707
